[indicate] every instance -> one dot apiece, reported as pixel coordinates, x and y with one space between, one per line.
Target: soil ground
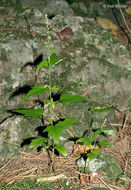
34 165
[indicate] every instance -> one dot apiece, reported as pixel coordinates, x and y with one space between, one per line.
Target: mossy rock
102 162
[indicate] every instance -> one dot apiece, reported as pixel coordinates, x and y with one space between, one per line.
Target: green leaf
42 64
95 135
105 143
61 149
37 142
104 123
96 151
44 149
71 98
54 88
93 153
53 59
101 109
34 113
56 130
39 89
47 101
91 156
51 49
109 132
85 141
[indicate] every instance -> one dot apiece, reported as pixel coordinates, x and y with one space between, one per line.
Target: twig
123 17
116 125
60 112
62 89
126 109
125 120
16 177
105 183
70 133
126 163
85 92
7 141
119 188
125 179
51 178
7 163
26 153
26 172
11 29
55 115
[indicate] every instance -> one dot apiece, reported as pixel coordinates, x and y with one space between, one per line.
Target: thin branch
105 183
123 17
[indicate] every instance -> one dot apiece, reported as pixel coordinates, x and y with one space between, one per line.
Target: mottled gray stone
102 162
93 60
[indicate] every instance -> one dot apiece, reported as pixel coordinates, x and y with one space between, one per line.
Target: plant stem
50 88
50 68
50 85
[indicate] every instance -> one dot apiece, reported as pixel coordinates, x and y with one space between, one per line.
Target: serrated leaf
42 64
34 113
91 156
96 151
61 149
102 109
47 101
39 89
56 130
95 135
105 143
53 59
85 141
37 142
93 153
109 132
54 88
71 98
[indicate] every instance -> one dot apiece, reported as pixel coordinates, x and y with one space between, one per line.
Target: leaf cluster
94 140
55 131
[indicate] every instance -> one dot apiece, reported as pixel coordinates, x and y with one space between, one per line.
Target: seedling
94 142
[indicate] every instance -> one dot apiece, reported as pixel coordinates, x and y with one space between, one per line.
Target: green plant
52 141
95 140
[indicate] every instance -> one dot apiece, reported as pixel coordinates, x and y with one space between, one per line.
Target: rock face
102 162
94 64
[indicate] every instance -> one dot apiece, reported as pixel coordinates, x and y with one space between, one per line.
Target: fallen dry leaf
66 33
80 149
83 179
91 178
108 25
